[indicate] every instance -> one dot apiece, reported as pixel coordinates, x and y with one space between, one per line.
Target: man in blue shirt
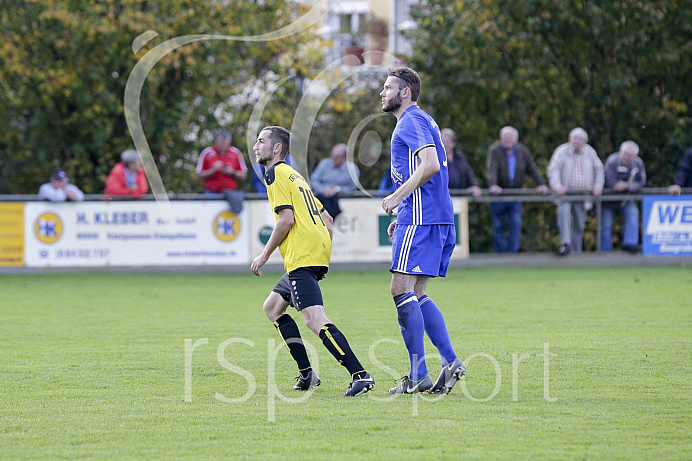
334 176
423 235
509 162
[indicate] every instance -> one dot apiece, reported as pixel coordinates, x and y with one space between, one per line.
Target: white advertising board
360 231
134 234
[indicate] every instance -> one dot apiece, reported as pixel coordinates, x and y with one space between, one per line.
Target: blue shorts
301 288
423 250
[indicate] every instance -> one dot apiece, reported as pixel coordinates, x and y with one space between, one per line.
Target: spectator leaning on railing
624 172
574 167
127 178
683 178
332 177
509 162
59 189
460 173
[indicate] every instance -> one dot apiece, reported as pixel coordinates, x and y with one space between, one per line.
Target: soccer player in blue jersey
423 235
302 234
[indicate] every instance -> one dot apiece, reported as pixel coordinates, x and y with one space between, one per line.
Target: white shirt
48 192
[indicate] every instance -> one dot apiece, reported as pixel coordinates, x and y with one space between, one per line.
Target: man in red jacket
127 178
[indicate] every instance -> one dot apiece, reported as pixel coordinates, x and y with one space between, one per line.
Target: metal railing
507 195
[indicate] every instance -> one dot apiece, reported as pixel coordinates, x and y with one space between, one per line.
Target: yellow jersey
307 243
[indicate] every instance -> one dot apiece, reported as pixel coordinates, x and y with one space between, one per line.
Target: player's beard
393 104
263 160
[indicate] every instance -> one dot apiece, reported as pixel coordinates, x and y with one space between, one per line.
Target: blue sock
436 329
413 331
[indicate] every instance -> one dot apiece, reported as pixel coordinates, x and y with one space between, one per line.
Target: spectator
221 166
509 162
574 167
683 178
59 189
127 178
331 177
460 173
624 172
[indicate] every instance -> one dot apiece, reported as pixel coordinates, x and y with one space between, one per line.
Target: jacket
498 170
460 173
562 163
683 177
634 173
116 184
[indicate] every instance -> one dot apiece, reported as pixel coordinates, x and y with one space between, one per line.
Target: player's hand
390 229
389 204
257 263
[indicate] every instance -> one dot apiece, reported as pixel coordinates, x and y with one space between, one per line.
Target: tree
621 70
64 65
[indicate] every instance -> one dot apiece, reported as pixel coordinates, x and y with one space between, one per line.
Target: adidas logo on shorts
416 269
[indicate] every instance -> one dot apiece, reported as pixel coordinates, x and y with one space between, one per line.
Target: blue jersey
430 203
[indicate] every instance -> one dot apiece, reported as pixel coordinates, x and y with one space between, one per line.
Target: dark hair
279 135
408 78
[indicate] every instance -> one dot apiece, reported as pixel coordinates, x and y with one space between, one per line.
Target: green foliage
621 70
64 65
350 103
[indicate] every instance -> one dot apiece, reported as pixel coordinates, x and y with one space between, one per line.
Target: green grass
93 366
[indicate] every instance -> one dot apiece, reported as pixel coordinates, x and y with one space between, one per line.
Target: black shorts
301 288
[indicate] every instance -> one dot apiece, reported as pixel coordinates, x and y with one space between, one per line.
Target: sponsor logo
667 226
396 176
416 269
226 226
670 217
48 228
264 234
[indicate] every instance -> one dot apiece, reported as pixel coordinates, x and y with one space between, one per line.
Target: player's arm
283 226
429 166
329 222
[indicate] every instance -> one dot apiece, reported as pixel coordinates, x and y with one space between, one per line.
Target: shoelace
403 380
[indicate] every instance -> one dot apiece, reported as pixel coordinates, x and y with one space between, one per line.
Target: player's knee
272 311
316 322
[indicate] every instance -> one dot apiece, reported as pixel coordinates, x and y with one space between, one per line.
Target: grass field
94 366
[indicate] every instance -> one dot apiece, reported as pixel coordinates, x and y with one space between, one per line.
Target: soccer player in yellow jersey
303 234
